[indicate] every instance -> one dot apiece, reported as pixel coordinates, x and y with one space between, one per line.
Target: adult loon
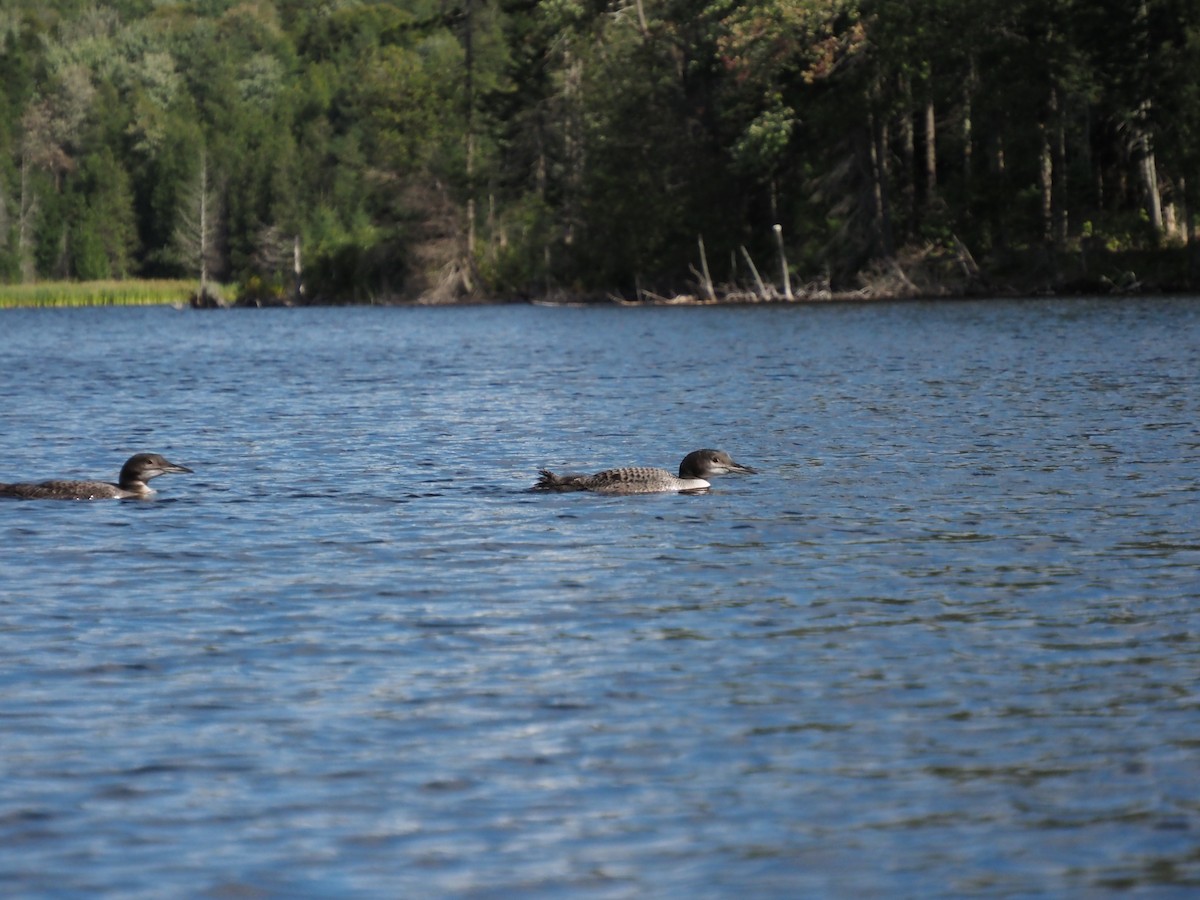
695 468
139 469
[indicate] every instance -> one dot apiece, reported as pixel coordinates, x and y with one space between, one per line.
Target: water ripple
950 630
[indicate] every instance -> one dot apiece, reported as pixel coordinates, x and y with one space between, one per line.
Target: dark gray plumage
695 468
138 470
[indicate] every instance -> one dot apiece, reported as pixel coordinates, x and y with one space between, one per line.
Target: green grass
96 293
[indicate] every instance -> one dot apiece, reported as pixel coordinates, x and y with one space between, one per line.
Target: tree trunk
907 141
1059 171
204 230
930 152
1062 205
1143 142
1046 182
708 283
1147 170
28 209
469 91
196 229
880 212
762 288
297 272
998 174
968 89
783 264
573 146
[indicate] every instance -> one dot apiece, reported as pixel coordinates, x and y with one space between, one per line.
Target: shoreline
648 300
894 283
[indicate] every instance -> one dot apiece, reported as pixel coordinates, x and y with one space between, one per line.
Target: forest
445 150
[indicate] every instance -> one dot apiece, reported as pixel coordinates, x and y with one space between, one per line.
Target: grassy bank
96 293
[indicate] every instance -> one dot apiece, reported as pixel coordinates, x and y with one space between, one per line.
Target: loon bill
695 468
138 470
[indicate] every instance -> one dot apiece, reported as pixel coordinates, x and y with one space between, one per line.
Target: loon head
141 467
702 463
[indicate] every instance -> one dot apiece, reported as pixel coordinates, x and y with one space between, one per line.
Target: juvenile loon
139 469
695 468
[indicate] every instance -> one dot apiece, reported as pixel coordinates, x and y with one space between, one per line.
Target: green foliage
95 293
106 229
765 140
514 262
593 141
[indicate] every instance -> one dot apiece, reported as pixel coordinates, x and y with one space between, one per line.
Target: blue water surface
945 643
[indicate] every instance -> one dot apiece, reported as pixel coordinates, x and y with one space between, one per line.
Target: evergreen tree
505 144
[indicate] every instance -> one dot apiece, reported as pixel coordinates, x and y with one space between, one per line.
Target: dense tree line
507 146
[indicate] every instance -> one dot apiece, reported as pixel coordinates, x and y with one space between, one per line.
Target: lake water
947 642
